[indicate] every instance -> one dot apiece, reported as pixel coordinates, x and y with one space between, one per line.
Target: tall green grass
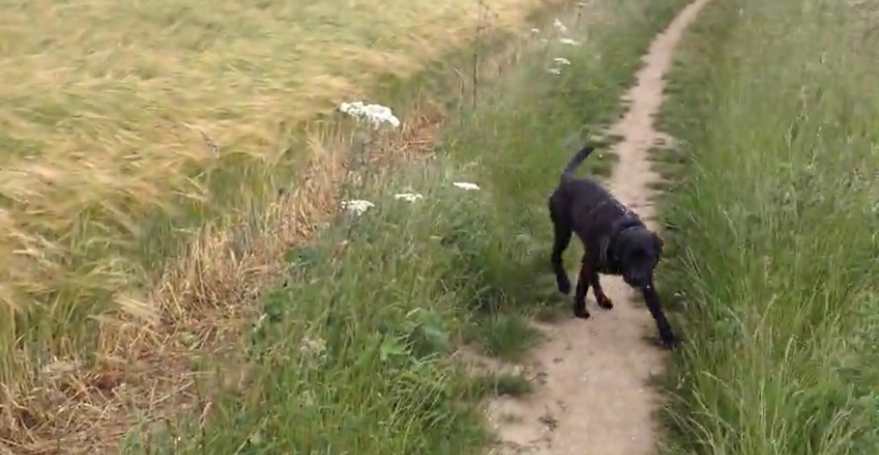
352 353
774 217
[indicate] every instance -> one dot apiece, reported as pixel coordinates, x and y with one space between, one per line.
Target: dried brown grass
201 305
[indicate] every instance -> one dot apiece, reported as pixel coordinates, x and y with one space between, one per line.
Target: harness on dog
606 260
628 221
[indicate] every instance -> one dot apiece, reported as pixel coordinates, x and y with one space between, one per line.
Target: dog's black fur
616 241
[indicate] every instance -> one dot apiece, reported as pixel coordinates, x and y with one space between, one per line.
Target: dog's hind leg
583 280
651 298
562 240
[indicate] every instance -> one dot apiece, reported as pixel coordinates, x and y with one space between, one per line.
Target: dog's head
638 251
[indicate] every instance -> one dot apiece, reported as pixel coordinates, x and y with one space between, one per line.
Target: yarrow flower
374 114
357 206
408 197
535 30
569 42
556 71
561 61
466 186
307 398
560 26
312 346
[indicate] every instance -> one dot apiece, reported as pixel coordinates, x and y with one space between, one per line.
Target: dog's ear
659 243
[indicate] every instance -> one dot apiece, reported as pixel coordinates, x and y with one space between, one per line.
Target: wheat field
133 134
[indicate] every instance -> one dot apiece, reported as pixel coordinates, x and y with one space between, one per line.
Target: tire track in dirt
593 395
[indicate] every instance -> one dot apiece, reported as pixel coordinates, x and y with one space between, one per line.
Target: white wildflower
60 367
408 197
312 346
307 398
374 114
357 206
582 4
569 42
555 71
535 30
562 61
560 26
544 41
466 186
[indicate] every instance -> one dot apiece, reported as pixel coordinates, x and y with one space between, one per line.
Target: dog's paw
669 341
604 302
581 312
564 286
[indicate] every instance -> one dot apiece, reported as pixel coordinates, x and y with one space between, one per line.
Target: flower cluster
559 62
312 346
359 206
375 115
558 25
408 197
466 186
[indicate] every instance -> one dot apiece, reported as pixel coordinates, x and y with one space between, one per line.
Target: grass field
775 220
147 198
128 127
351 353
142 146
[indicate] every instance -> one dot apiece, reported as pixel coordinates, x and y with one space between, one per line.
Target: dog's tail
571 168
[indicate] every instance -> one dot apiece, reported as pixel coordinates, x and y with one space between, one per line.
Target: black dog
616 241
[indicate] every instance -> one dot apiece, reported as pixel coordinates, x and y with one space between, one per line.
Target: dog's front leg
651 298
583 279
600 297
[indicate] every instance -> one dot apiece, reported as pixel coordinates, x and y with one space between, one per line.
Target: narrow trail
593 396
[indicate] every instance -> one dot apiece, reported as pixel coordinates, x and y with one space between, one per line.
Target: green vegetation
133 135
349 355
773 223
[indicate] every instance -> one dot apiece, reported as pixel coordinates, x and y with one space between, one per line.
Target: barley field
143 147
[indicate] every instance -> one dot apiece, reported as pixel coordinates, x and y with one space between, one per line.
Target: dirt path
593 397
